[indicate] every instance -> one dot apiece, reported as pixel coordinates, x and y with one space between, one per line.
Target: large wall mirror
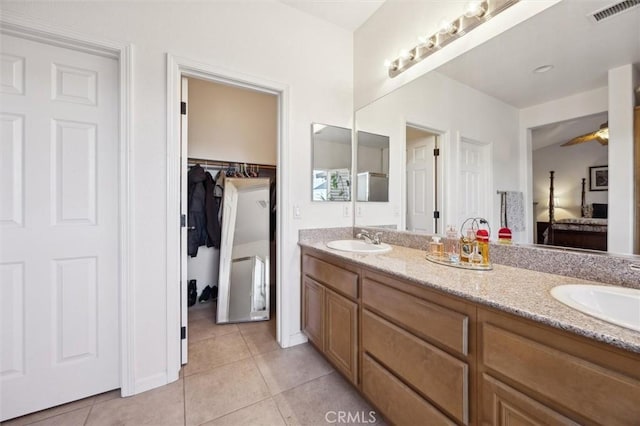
243 287
372 178
331 159
498 122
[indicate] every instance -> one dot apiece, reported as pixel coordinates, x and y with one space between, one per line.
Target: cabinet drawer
426 319
341 280
587 389
397 401
439 376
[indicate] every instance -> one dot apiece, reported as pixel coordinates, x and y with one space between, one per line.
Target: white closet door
474 191
59 223
420 185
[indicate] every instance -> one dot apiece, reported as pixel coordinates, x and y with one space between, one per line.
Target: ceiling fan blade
581 139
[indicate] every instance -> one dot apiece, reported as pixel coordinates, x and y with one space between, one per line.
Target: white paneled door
420 183
59 321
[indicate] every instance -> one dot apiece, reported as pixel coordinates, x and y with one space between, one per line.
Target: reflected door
420 181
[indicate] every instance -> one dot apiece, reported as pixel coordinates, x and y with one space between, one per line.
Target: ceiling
559 133
348 14
580 50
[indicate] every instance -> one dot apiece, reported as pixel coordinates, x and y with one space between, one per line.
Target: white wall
266 39
232 124
439 103
622 81
397 24
571 164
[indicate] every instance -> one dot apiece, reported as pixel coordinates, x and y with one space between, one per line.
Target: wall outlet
345 211
296 212
396 211
359 211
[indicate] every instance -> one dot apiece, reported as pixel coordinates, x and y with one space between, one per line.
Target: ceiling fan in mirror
601 135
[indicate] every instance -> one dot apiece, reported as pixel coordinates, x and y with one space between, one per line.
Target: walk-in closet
230 204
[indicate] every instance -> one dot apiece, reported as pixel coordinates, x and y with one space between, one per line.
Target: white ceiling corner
347 14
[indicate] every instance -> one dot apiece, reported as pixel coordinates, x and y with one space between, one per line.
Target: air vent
613 10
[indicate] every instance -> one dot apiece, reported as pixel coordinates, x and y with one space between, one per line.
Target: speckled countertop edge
521 292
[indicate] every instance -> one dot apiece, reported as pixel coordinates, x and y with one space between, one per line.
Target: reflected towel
515 210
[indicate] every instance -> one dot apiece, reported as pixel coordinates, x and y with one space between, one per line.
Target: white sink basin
618 305
359 246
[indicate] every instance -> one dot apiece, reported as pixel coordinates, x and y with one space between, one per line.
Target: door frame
20 26
178 67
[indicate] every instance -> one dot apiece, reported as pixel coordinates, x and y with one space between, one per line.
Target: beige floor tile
264 413
205 328
223 390
202 310
323 400
160 406
252 327
260 342
291 367
51 412
107 396
72 418
214 352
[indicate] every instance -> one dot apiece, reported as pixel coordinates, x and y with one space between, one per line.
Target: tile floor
236 375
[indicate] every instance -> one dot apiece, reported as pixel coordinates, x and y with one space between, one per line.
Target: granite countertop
522 292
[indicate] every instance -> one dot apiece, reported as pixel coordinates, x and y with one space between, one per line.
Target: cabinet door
502 405
341 334
313 311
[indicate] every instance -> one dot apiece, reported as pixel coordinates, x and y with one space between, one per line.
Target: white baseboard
297 339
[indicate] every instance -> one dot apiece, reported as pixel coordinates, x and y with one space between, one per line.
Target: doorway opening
177 160
423 180
229 135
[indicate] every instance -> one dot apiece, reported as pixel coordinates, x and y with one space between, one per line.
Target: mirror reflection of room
331 174
372 182
575 214
232 156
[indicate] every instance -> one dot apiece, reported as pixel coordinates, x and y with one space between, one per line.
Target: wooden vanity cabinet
424 357
532 374
422 344
330 310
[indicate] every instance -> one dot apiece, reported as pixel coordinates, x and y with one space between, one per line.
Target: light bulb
404 54
426 42
475 8
448 27
387 63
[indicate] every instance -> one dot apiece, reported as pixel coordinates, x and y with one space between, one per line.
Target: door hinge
183 108
183 333
436 214
436 152
183 220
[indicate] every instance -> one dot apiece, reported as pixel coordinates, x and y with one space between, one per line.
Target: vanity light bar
477 13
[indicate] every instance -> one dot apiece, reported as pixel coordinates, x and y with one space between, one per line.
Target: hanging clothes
200 205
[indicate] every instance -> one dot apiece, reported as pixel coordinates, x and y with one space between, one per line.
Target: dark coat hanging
200 205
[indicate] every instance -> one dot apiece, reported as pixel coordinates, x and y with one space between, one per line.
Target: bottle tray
460 265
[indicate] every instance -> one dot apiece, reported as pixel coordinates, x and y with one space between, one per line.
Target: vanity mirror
372 178
331 159
482 108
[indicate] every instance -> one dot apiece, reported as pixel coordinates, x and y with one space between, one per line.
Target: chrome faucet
363 234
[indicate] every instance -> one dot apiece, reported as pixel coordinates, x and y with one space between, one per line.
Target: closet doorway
229 155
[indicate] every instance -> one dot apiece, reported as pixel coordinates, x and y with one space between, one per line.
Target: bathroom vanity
436 345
